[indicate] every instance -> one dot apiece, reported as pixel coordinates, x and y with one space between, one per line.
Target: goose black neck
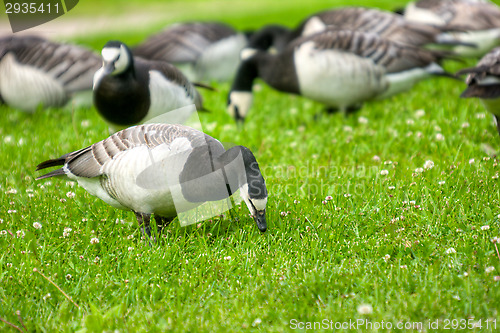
241 167
247 72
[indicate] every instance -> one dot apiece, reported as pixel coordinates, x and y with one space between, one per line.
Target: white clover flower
384 172
68 276
94 240
392 187
410 122
485 227
363 120
227 258
419 113
489 269
130 249
20 234
465 125
471 161
283 213
403 266
450 251
328 198
428 164
387 257
365 309
70 194
419 170
441 182
11 191
440 137
37 225
347 195
376 158
347 129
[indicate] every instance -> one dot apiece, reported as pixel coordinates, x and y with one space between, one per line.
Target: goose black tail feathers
204 86
49 164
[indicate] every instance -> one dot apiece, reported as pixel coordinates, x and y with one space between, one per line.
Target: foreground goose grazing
35 71
385 24
130 91
484 82
164 170
341 69
476 22
203 50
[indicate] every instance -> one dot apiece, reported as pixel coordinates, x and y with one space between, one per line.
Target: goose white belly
143 179
337 78
25 87
220 60
486 40
404 81
166 97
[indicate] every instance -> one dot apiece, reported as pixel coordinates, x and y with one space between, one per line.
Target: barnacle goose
341 69
35 71
129 90
164 169
476 22
202 50
483 82
385 24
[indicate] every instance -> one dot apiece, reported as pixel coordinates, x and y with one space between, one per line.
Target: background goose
385 24
130 91
341 69
35 71
203 51
164 170
484 82
476 22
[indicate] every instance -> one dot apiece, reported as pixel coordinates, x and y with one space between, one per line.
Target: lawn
384 216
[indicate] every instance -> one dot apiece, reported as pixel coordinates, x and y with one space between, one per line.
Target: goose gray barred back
35 71
483 82
203 50
164 170
130 90
385 24
341 69
476 22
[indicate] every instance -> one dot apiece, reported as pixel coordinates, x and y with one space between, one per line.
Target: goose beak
260 219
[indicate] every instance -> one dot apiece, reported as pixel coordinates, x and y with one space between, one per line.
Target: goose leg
143 220
162 222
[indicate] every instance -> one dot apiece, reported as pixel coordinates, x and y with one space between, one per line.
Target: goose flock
340 57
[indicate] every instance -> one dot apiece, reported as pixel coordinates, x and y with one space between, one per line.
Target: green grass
370 244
